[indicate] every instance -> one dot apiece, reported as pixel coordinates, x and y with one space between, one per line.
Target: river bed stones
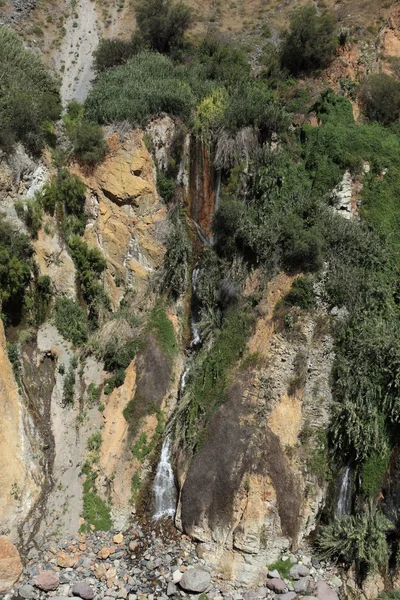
195 580
47 581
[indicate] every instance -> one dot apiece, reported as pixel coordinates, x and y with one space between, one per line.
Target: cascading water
164 489
196 339
164 484
345 492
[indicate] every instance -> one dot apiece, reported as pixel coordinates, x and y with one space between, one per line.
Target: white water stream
343 506
164 485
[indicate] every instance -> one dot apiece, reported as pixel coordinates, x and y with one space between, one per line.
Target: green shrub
15 359
42 297
144 86
31 213
90 264
176 259
164 330
310 42
163 23
359 539
209 379
282 566
71 321
30 95
94 442
380 95
118 357
373 472
68 192
89 147
15 269
93 395
96 512
165 186
115 381
114 52
69 387
301 293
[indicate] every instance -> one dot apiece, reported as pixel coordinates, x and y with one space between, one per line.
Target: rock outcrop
250 492
127 221
10 565
20 478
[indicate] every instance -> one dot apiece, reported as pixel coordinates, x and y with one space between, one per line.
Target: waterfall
164 485
196 339
345 492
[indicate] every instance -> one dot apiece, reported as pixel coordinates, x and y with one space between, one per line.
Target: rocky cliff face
20 474
251 491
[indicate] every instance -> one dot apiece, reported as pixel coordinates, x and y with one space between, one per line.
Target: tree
380 95
162 23
310 42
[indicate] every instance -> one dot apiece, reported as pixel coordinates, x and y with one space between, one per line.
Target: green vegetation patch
70 320
143 87
210 377
282 566
164 331
96 512
30 94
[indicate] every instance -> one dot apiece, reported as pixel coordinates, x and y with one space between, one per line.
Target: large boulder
325 592
83 590
195 580
47 581
277 585
299 571
10 564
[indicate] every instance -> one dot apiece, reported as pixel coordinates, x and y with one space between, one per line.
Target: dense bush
163 23
89 145
86 136
70 320
301 293
15 269
119 357
42 297
310 42
380 96
360 539
68 192
29 96
176 259
144 86
90 264
115 52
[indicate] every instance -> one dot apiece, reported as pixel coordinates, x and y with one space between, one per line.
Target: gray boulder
195 580
302 585
171 589
83 590
274 574
298 571
288 596
26 591
277 585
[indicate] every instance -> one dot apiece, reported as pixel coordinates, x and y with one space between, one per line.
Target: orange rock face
10 565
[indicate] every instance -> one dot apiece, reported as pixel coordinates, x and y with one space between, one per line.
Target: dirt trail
75 57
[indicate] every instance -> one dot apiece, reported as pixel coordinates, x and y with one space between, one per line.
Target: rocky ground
147 563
